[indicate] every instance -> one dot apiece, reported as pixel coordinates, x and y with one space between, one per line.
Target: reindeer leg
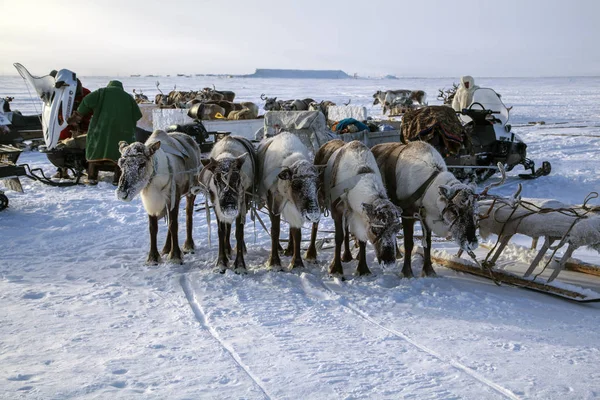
311 252
296 261
239 264
362 268
153 256
409 230
167 247
189 246
547 243
274 261
222 259
175 253
335 268
427 265
347 256
289 250
562 262
227 240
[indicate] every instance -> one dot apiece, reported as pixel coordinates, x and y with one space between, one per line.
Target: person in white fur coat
464 94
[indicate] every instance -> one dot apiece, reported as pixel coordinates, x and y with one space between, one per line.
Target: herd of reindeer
211 104
370 193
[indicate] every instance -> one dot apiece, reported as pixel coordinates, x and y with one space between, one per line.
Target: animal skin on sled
551 219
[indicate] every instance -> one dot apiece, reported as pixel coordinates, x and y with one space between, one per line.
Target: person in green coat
115 116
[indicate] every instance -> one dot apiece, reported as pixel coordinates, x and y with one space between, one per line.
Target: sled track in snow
358 312
203 321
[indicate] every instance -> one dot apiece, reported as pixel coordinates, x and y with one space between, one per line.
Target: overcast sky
427 38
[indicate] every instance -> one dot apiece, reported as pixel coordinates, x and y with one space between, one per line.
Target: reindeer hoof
188 249
336 270
240 270
428 274
347 257
153 259
362 272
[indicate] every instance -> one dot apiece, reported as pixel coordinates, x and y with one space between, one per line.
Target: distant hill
298 74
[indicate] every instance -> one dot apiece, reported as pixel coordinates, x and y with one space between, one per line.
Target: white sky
406 38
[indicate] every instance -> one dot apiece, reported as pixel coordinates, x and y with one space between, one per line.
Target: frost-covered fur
557 221
365 206
229 179
296 203
288 185
448 205
161 171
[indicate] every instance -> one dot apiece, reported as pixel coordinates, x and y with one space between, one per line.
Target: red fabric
85 122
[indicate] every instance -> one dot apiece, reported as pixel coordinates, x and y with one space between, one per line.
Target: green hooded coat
115 116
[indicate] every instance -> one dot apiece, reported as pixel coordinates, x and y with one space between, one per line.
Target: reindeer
297 105
229 179
288 184
271 103
140 97
212 94
162 170
352 189
418 181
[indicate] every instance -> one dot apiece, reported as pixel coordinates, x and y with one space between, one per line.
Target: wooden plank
466 266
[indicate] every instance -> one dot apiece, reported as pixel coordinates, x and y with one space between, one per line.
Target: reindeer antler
348 103
263 97
157 86
484 193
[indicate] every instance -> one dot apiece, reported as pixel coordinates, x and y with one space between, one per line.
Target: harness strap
333 194
387 162
407 203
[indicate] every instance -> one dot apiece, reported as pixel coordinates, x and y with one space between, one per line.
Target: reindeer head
271 104
298 184
459 212
376 97
384 224
137 167
225 186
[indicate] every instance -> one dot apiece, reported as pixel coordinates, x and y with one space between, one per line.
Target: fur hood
464 96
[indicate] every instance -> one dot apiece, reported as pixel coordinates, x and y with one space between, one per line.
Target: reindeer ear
153 147
240 159
285 174
122 145
445 191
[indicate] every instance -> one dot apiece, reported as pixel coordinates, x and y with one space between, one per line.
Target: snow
82 317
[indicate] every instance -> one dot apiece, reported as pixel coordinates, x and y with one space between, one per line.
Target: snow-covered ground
81 316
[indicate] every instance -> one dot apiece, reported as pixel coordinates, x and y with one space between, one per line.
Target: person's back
115 116
464 95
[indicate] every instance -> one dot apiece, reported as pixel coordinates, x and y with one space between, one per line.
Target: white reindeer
352 189
576 226
161 171
229 178
418 181
288 184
